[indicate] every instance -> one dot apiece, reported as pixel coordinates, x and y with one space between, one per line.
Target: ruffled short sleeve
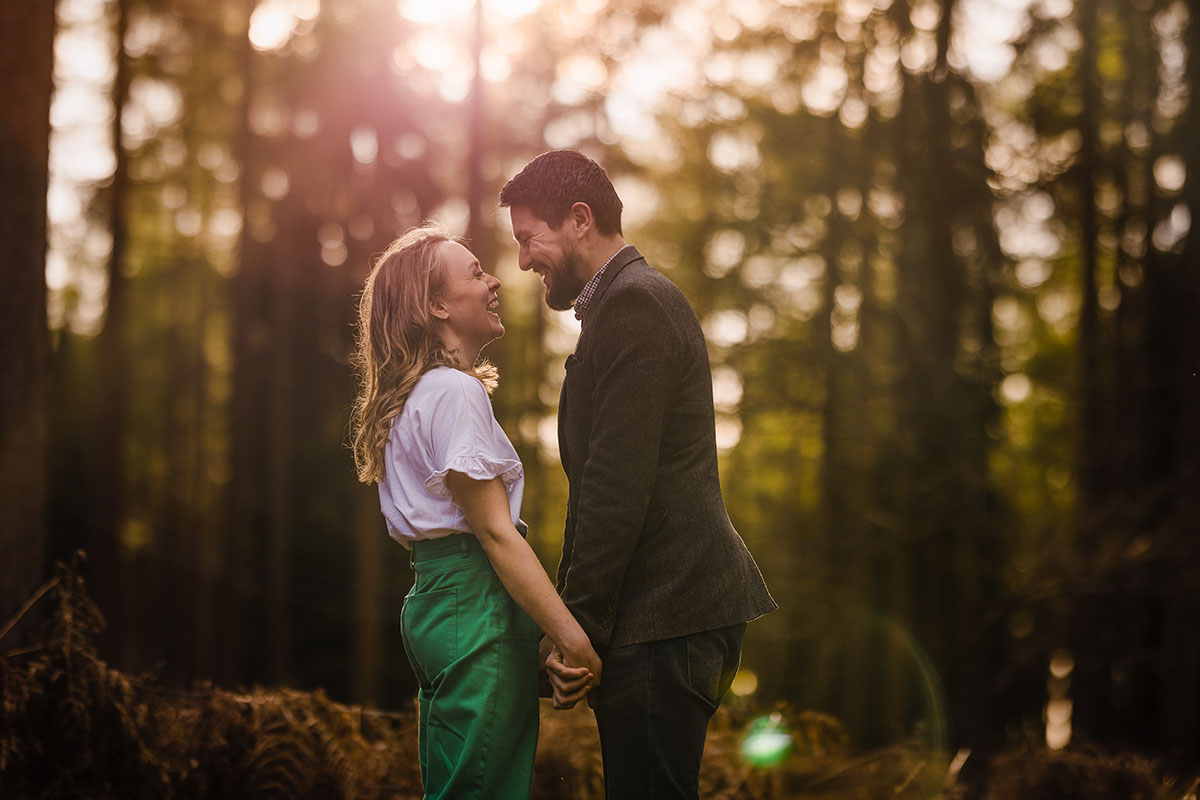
466 438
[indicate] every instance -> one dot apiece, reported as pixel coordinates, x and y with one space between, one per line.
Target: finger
559 668
563 702
570 686
568 701
575 690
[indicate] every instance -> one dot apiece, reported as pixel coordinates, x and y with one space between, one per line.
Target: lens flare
767 742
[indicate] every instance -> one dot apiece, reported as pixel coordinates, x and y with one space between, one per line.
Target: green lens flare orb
766 742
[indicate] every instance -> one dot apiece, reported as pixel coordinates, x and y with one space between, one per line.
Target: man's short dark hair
554 181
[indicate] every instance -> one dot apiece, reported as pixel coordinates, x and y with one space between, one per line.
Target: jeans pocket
429 630
705 664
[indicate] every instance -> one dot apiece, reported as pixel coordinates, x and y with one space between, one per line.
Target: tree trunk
26 61
1090 681
837 543
1181 689
279 427
209 542
106 478
368 592
247 292
1088 434
476 228
174 526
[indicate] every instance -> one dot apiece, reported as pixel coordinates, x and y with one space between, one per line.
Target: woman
450 487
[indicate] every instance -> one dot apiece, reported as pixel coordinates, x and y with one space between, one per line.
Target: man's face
551 253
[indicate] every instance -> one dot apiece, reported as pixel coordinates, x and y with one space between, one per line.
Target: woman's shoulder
441 397
447 382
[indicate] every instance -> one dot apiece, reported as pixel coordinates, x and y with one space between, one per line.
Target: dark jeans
653 707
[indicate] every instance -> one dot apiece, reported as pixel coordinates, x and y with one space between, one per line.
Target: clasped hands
569 684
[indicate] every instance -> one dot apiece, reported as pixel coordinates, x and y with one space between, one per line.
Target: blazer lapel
629 254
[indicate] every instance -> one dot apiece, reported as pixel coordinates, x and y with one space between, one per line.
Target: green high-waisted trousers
474 652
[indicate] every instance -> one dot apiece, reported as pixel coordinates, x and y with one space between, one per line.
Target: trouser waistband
426 549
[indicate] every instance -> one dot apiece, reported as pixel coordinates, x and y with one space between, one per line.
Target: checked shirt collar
589 289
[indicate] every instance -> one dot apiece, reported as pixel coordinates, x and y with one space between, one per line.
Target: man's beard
564 286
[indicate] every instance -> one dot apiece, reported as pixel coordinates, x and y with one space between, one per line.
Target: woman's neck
465 353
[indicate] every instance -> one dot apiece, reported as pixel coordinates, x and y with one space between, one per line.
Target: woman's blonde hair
396 342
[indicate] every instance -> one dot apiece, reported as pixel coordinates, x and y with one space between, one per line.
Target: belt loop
462 543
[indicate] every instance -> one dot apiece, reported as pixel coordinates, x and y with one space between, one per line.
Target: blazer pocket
577 389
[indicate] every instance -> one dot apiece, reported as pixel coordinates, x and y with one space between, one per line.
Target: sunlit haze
678 58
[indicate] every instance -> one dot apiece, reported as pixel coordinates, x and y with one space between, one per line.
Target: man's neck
600 253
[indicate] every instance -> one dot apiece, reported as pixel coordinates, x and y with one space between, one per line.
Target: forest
943 256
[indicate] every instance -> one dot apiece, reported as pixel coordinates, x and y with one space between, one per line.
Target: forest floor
71 727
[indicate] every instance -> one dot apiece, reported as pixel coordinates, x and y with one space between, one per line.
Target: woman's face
469 305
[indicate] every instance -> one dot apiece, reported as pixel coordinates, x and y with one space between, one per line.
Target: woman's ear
439 310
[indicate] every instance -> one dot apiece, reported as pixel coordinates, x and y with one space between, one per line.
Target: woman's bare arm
485 505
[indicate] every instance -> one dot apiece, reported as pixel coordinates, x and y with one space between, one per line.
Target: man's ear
581 218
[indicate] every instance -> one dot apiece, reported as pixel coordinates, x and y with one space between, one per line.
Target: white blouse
446 424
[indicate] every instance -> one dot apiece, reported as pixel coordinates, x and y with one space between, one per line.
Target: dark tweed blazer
649 552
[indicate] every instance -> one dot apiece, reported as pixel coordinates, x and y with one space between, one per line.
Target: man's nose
524 262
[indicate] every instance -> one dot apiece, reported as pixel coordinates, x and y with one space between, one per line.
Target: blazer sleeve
633 368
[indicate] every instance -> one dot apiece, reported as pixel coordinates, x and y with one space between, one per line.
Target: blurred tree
104 488
947 267
1180 727
26 54
343 168
1120 204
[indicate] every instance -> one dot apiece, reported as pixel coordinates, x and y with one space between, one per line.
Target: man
651 565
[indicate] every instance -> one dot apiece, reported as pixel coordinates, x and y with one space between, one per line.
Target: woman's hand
573 674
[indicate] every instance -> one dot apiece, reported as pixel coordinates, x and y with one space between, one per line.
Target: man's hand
568 684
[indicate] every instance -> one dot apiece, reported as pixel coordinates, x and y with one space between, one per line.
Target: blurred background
942 251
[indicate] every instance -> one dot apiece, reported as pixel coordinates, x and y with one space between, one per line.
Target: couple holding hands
654 587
